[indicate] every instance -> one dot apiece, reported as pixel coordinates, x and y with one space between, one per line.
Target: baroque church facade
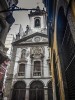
29 74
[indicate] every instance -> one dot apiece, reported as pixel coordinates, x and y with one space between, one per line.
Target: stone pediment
27 41
34 38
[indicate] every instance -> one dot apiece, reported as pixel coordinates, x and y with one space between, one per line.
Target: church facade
29 76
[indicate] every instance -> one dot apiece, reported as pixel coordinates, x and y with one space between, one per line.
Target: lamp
10 19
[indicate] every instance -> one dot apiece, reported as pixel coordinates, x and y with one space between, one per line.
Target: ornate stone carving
37 52
37 39
29 40
45 40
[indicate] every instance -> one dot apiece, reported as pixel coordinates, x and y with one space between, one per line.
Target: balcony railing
36 73
21 74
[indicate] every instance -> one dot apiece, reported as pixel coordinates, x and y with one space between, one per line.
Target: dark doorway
36 91
19 91
50 92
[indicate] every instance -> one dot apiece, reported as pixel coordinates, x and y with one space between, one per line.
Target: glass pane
22 68
37 66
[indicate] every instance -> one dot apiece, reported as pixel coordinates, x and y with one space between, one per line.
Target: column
27 93
45 93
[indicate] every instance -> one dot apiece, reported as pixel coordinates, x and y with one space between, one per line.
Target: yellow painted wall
73 7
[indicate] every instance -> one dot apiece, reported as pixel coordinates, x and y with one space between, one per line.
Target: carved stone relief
44 40
37 39
37 52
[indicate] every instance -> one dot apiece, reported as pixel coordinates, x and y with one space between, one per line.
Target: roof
24 39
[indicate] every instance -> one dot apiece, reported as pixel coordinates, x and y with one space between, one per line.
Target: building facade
29 75
61 27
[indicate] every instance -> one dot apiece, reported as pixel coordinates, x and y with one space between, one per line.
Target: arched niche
19 90
36 91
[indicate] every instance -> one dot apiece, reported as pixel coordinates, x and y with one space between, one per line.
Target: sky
21 17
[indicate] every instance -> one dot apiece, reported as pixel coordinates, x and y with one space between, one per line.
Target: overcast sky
21 17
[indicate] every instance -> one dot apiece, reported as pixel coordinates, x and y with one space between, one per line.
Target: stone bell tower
38 19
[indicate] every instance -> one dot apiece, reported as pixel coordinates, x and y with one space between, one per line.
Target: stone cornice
31 44
28 37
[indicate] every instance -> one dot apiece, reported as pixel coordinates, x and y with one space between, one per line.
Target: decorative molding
23 40
37 52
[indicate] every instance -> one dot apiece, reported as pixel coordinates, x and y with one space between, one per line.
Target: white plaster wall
29 81
28 65
28 68
16 66
45 65
43 24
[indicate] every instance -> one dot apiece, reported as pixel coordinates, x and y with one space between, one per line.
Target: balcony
36 73
21 74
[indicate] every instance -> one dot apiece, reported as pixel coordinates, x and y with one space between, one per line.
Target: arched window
37 22
36 91
19 91
23 53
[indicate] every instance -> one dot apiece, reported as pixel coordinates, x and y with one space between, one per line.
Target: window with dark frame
21 70
37 68
37 22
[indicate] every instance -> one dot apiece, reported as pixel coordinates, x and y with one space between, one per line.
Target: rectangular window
21 70
37 68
